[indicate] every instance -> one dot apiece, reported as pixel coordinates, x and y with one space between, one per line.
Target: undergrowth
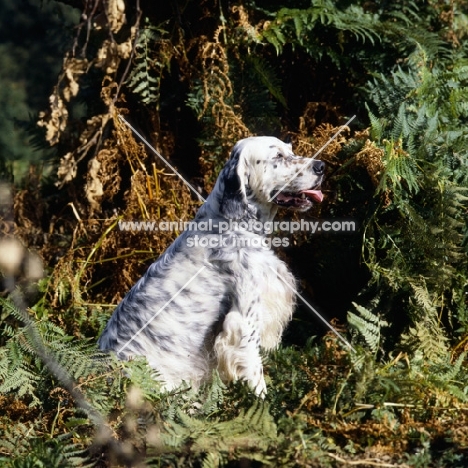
324 404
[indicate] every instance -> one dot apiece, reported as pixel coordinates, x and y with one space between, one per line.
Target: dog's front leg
237 350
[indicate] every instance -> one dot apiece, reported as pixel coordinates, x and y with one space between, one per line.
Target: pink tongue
316 195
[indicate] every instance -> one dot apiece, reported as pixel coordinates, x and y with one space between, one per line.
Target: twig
368 461
94 249
132 53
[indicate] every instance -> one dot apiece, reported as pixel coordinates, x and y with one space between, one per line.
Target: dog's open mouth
302 199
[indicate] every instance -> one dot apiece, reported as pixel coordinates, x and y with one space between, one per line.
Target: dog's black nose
318 167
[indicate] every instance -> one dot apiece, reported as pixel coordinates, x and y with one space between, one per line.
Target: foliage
418 247
368 325
295 25
193 78
145 77
315 394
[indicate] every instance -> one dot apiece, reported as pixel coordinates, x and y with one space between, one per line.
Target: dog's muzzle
303 199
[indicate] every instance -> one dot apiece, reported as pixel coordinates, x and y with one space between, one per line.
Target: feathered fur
202 308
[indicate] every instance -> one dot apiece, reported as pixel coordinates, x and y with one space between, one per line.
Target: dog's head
264 173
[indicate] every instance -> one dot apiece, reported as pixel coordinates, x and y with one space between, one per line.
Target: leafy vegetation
193 78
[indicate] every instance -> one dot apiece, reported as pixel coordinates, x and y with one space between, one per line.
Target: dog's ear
233 203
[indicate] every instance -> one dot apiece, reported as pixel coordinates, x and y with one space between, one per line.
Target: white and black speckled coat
202 308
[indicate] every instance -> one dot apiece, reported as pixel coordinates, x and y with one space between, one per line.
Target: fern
151 58
26 445
426 334
447 379
248 433
18 374
54 453
399 167
368 325
21 370
421 231
213 396
377 126
267 77
295 25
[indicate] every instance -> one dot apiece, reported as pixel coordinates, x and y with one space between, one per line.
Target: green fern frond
53 453
377 125
149 63
21 370
423 299
17 374
250 432
399 167
455 369
426 334
295 25
214 396
368 325
267 77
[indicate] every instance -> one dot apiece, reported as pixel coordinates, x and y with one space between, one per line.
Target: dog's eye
279 155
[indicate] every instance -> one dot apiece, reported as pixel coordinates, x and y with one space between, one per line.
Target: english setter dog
213 301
